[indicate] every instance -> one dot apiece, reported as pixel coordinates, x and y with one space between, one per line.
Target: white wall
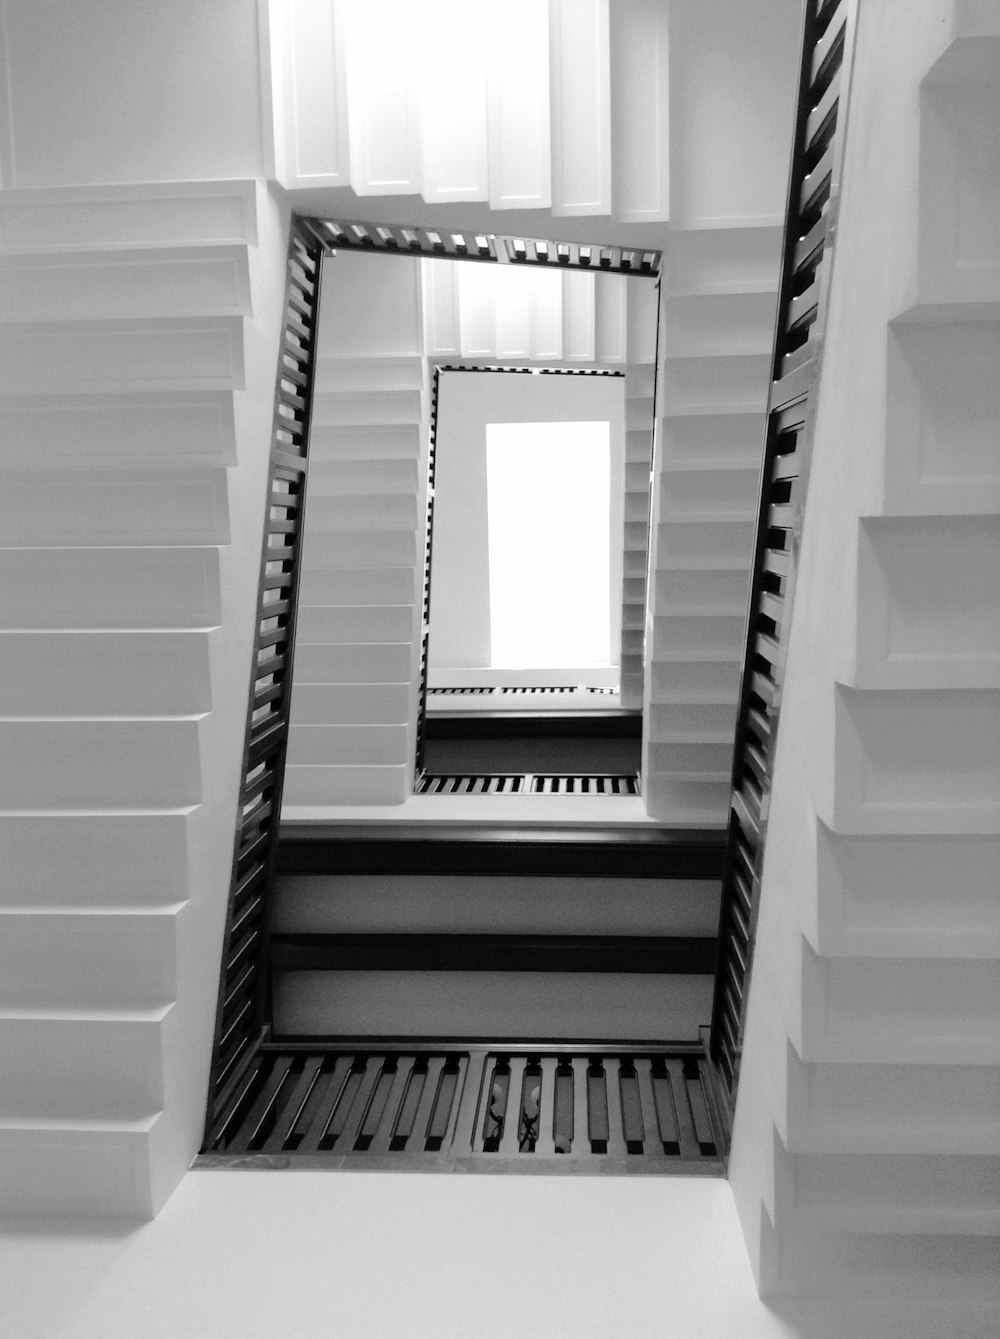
238 1255
129 90
732 97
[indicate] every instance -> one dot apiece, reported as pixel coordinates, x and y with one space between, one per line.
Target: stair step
140 763
338 624
942 390
128 859
913 896
361 662
709 441
109 284
895 1109
94 218
560 1004
349 784
713 721
172 353
718 322
75 1169
165 429
703 761
87 959
363 442
82 1064
110 588
357 511
887 1011
342 478
681 799
739 382
348 703
723 259
718 542
362 743
694 681
97 673
708 492
690 591
917 760
929 602
385 372
364 586
354 409
483 904
360 548
169 507
911 1193
684 636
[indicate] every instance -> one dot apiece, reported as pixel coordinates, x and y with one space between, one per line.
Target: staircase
717 316
137 350
356 677
865 1161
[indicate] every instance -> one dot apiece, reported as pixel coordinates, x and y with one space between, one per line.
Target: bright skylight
548 490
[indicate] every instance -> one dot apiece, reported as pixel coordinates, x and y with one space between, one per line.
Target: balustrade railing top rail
806 259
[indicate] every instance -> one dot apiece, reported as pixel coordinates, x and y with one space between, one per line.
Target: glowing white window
548 505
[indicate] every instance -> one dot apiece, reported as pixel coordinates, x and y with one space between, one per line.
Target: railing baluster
510 1139
616 1132
545 1145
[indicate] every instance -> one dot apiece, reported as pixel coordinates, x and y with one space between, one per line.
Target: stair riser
349 703
80 961
369 745
321 785
339 624
100 764
165 430
108 673
104 588
99 860
179 282
175 353
115 508
390 662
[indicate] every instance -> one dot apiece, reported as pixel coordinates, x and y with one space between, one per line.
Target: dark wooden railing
543 1106
527 783
241 1011
806 257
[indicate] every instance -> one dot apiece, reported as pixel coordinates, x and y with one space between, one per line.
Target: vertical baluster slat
351 1128
545 1145
652 1146
581 1133
616 1134
686 1135
435 1064
284 1127
468 1135
328 1104
509 1140
383 1135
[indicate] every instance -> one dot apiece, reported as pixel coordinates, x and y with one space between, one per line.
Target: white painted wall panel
452 103
381 89
310 93
580 64
518 100
640 85
578 315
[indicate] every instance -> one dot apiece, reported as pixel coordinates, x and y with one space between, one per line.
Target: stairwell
865 1152
138 348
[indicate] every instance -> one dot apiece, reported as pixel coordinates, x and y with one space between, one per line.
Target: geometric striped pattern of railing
397 239
540 1106
805 276
243 985
527 783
